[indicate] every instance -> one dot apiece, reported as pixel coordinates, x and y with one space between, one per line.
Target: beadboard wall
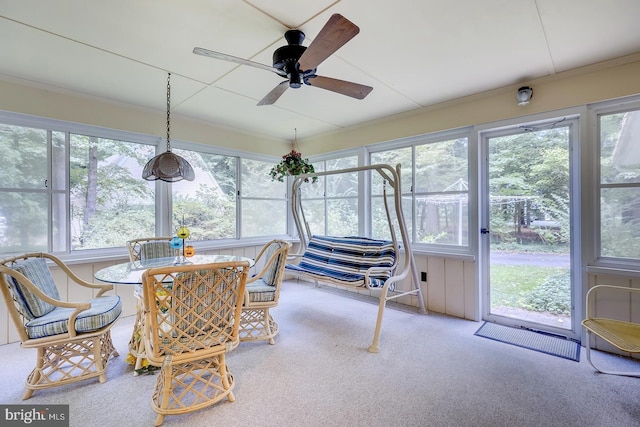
451 289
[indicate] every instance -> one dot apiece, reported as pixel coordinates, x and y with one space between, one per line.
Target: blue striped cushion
159 249
37 271
104 311
347 258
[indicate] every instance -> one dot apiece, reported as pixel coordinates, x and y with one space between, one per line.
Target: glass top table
130 273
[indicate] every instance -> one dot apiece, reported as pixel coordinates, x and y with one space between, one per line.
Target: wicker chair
73 339
150 247
623 335
141 249
192 313
262 293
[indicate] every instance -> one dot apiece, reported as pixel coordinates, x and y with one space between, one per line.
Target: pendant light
167 166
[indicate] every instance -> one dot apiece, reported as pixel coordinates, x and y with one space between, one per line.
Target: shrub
553 295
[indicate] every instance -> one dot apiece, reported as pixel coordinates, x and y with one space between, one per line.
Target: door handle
484 231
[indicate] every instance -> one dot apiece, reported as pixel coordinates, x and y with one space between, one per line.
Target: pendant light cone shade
167 166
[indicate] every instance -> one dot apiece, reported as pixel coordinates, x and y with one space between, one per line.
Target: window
207 205
379 222
619 146
435 191
109 202
29 196
70 188
331 204
264 202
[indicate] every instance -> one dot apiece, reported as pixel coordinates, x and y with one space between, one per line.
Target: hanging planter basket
292 164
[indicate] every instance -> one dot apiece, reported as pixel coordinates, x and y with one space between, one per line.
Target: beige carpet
431 371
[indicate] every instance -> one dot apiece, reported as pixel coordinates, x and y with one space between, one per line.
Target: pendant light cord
168 112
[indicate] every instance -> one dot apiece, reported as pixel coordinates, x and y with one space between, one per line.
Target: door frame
539 122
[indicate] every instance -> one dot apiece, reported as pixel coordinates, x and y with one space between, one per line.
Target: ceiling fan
298 63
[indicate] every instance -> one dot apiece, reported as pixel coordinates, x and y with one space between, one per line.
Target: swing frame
391 177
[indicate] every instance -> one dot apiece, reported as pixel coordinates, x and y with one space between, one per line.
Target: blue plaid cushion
261 291
160 249
37 271
271 275
104 311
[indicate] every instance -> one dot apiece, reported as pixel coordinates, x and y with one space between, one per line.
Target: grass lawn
510 284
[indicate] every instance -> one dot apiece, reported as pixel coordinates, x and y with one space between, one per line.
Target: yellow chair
622 334
192 314
262 293
73 339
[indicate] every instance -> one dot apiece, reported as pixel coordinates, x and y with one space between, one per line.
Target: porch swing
354 261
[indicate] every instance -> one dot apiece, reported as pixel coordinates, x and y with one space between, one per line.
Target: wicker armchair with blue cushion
139 250
262 293
73 339
192 314
150 247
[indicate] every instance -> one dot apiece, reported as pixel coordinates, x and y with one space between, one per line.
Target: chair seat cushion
261 291
104 311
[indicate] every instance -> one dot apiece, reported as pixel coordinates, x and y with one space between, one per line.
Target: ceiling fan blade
275 93
225 57
336 33
354 90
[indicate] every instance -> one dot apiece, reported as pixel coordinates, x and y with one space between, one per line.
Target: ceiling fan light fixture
295 79
168 167
524 95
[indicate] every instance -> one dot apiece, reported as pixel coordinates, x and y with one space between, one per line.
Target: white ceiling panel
583 32
60 63
414 53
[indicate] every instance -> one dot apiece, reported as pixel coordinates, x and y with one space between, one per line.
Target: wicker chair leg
164 389
136 343
258 324
27 393
159 420
267 325
99 357
34 376
226 377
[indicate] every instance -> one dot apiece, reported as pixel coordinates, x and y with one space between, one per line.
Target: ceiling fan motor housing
286 57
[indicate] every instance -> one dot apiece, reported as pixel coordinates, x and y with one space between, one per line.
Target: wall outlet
423 276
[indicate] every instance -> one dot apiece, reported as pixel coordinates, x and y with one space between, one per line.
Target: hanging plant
292 164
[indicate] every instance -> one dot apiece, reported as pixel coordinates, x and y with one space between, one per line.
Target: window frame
596 111
163 202
324 198
463 251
